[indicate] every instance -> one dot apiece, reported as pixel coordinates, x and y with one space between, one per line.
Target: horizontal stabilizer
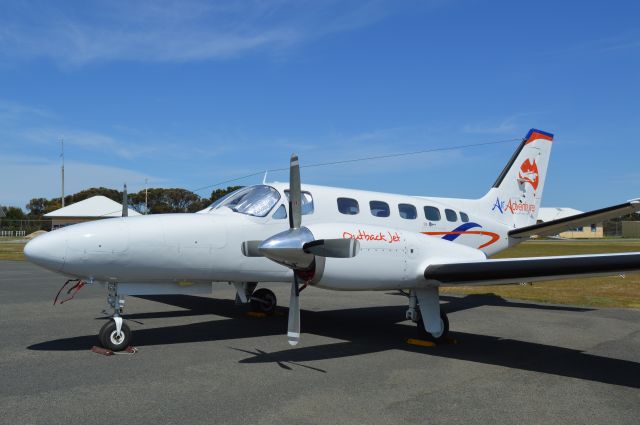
517 270
554 227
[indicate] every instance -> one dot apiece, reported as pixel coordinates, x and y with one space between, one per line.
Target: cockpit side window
253 200
280 214
307 202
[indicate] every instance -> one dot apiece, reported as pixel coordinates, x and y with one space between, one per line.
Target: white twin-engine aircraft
332 238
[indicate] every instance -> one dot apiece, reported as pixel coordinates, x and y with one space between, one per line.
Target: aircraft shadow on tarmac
365 330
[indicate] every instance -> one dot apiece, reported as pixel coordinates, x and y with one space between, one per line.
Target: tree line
159 201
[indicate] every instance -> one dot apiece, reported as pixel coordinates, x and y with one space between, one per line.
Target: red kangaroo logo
529 173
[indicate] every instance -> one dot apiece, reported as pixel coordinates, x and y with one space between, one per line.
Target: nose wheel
114 337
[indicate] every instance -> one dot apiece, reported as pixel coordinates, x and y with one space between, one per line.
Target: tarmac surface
204 360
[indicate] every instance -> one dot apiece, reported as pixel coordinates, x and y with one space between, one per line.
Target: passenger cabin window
464 217
407 211
379 209
280 214
432 213
348 206
451 215
307 202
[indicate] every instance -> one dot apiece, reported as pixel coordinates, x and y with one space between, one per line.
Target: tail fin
515 197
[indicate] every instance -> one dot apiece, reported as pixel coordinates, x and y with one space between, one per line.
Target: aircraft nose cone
47 251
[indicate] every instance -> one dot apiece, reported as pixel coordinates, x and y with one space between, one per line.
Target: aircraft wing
532 269
554 227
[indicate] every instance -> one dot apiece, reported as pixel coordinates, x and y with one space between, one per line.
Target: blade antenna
125 202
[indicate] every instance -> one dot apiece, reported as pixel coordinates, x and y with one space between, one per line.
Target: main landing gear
444 320
115 335
424 310
262 300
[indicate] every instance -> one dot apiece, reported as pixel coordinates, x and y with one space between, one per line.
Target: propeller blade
251 249
293 330
333 248
295 196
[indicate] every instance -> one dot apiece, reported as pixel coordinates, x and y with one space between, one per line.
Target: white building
94 208
595 230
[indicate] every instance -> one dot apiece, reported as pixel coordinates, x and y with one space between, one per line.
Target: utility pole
62 156
146 207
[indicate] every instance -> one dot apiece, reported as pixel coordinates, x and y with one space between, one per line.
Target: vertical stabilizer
517 193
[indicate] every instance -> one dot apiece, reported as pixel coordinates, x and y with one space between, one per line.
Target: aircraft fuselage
206 246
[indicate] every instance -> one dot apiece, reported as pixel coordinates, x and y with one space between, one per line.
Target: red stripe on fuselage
494 236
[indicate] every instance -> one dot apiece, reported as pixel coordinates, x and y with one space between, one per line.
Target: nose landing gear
115 335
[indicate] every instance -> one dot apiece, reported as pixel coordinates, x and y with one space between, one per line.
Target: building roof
96 206
553 213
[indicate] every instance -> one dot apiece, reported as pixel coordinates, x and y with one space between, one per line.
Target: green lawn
11 251
596 292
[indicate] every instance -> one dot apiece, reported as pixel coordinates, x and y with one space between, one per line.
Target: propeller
296 248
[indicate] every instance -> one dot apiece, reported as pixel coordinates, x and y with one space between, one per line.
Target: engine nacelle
388 258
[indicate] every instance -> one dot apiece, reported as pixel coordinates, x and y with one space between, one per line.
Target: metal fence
26 226
13 233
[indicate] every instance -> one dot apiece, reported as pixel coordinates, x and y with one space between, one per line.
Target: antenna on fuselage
62 168
125 202
264 179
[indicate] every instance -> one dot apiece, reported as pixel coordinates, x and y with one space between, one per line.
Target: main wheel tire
445 332
110 339
264 301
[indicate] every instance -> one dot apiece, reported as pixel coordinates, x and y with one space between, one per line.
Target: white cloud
23 178
86 140
23 128
171 30
506 126
11 112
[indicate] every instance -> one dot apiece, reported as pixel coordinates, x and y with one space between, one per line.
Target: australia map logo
529 173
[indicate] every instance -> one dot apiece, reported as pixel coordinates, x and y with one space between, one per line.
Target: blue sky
190 93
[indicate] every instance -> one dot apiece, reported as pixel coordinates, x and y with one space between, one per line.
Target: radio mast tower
62 156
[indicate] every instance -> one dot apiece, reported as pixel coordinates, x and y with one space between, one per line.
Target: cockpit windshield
253 200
